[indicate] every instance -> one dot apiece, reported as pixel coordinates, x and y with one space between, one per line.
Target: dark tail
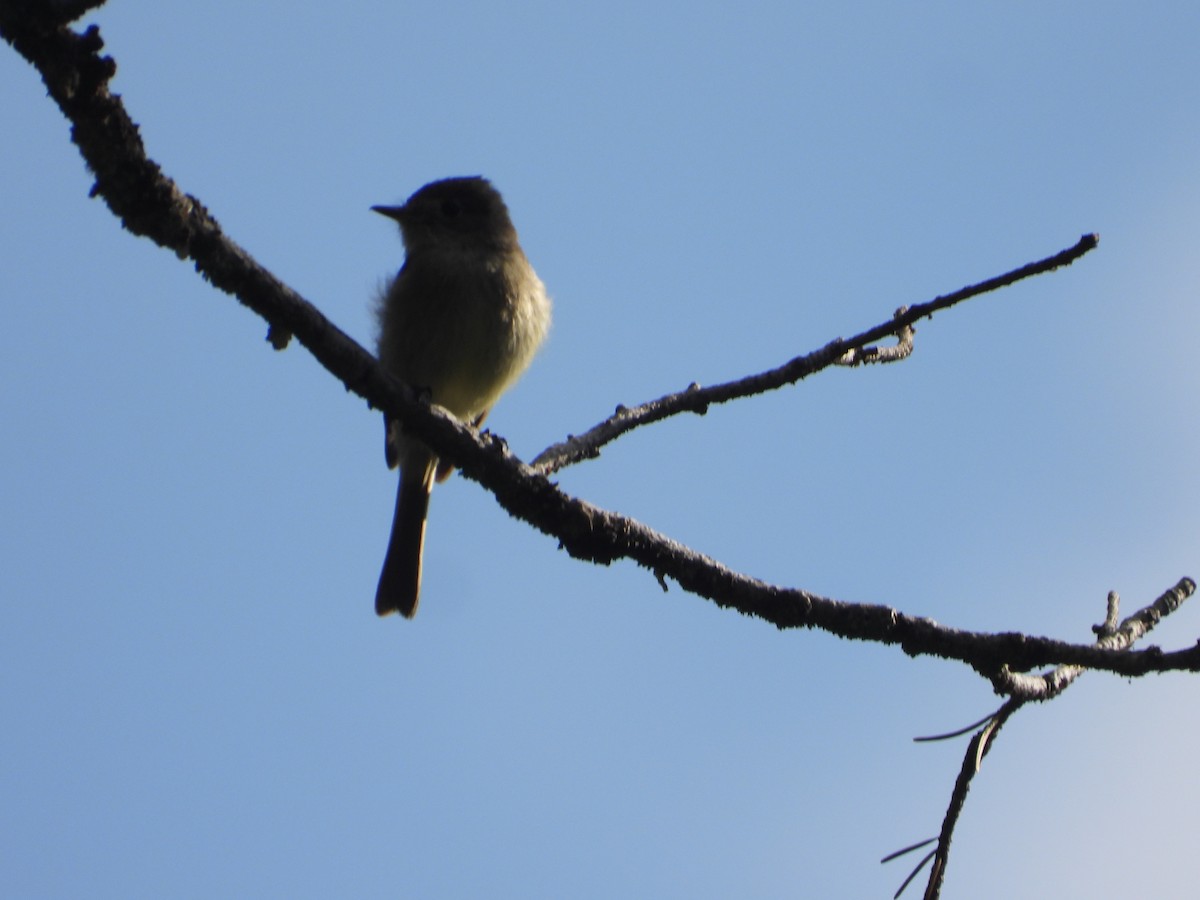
400 582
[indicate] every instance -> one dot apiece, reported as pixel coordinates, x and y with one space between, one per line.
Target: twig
697 399
1026 689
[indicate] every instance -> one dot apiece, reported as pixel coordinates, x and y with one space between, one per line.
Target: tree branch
1026 689
152 205
854 351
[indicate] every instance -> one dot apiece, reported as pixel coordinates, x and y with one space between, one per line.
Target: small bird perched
460 323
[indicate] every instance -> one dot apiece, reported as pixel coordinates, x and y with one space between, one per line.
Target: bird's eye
450 208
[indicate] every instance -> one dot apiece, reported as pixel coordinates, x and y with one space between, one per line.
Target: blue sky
199 699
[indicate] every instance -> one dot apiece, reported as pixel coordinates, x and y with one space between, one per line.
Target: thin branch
914 873
1027 689
903 851
697 399
1114 639
977 749
901 350
1109 625
150 204
958 732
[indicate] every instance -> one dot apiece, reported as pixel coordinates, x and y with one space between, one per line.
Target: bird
459 324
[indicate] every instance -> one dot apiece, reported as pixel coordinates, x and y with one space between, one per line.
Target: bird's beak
392 212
